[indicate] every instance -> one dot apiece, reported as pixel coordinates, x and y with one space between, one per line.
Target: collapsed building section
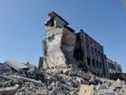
63 46
59 43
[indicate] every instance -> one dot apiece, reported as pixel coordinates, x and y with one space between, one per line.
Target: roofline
53 14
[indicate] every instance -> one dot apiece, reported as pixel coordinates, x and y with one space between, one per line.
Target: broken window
88 61
93 62
50 22
50 38
78 54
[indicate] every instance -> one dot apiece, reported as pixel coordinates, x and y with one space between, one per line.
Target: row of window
94 63
113 66
94 51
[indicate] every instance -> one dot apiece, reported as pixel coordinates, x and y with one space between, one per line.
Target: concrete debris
29 88
9 90
86 90
69 82
107 92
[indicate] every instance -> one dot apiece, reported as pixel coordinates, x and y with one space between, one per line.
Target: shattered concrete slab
9 90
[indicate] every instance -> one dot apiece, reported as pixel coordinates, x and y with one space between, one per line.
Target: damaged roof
54 14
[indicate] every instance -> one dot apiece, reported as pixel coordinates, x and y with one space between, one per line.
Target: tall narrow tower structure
58 44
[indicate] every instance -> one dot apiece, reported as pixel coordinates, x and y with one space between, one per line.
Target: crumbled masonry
63 69
63 46
69 82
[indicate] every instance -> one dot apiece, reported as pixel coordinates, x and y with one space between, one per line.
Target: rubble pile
64 83
117 87
69 82
19 81
29 88
43 84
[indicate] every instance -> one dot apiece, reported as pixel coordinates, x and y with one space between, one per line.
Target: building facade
113 67
90 52
64 46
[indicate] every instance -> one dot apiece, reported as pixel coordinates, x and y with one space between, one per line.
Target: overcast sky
22 29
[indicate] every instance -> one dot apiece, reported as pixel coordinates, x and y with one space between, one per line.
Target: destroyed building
71 65
63 46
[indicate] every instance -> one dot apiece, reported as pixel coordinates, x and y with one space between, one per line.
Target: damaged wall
63 46
59 43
